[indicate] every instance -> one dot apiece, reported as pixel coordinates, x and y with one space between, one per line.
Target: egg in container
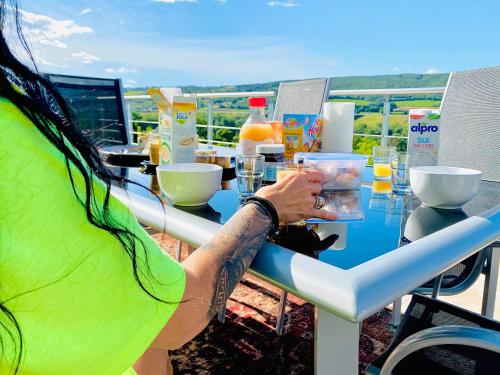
339 171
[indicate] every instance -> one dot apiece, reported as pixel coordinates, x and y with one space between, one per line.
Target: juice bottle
255 130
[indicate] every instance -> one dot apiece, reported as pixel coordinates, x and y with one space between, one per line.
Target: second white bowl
189 184
444 187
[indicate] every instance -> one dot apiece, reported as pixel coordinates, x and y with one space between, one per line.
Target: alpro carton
423 136
176 124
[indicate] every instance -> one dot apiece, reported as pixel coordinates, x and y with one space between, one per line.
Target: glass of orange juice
154 151
382 162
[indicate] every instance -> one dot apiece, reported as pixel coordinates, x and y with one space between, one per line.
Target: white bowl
189 184
444 187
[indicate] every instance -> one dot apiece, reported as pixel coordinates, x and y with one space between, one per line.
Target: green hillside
232 112
337 83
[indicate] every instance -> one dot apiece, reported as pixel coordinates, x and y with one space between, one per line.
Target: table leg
491 282
396 312
280 320
336 350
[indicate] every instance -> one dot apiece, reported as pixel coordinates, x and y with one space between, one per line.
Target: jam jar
274 155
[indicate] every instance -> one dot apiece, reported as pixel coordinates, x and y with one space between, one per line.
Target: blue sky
212 42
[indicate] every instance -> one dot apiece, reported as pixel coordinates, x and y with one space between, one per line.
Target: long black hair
44 106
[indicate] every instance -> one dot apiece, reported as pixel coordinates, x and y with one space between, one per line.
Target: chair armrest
443 335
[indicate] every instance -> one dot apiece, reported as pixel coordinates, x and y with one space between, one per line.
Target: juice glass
283 170
154 151
382 163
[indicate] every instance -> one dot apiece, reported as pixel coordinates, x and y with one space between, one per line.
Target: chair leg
396 312
280 321
491 282
221 316
437 286
178 250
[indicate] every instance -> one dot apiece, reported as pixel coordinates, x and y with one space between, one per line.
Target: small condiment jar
274 155
223 161
205 156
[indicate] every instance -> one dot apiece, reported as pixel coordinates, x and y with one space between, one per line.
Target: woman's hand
294 197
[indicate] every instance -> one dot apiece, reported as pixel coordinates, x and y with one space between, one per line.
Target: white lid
270 148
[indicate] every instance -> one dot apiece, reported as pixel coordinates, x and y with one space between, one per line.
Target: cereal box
301 133
423 136
177 125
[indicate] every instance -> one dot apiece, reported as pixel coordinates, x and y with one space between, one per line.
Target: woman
83 288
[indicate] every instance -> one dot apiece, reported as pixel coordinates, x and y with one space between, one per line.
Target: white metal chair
438 338
305 96
308 97
469 137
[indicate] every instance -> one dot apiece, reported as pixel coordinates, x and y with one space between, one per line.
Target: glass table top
389 222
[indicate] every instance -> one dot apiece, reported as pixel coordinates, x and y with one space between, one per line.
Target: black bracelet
270 210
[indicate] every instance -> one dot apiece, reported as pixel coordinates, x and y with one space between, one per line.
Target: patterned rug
247 343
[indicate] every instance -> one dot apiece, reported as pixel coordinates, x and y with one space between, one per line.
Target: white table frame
343 297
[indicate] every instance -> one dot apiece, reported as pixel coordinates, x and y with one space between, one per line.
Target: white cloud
85 58
42 61
129 83
432 70
46 30
284 4
86 10
120 70
395 69
221 1
175 1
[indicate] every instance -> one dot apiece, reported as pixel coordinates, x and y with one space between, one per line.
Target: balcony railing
209 97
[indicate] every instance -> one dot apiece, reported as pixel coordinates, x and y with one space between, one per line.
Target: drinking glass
400 167
249 173
382 162
154 151
379 202
284 169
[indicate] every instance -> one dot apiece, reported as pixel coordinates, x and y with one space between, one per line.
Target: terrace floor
247 343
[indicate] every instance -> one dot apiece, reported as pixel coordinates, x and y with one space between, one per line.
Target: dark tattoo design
244 235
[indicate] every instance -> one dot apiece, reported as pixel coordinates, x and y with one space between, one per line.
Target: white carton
423 136
177 126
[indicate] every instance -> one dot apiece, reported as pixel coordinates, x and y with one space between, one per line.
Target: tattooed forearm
235 246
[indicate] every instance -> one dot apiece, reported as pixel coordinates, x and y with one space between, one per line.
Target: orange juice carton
423 136
176 124
301 133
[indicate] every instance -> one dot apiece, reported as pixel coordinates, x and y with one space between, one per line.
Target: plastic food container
339 171
346 204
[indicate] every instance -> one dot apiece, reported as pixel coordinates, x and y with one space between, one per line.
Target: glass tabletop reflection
389 222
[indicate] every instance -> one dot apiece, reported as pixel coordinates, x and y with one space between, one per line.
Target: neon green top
69 284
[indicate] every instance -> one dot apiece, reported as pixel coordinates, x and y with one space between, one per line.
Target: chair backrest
470 122
98 106
301 97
